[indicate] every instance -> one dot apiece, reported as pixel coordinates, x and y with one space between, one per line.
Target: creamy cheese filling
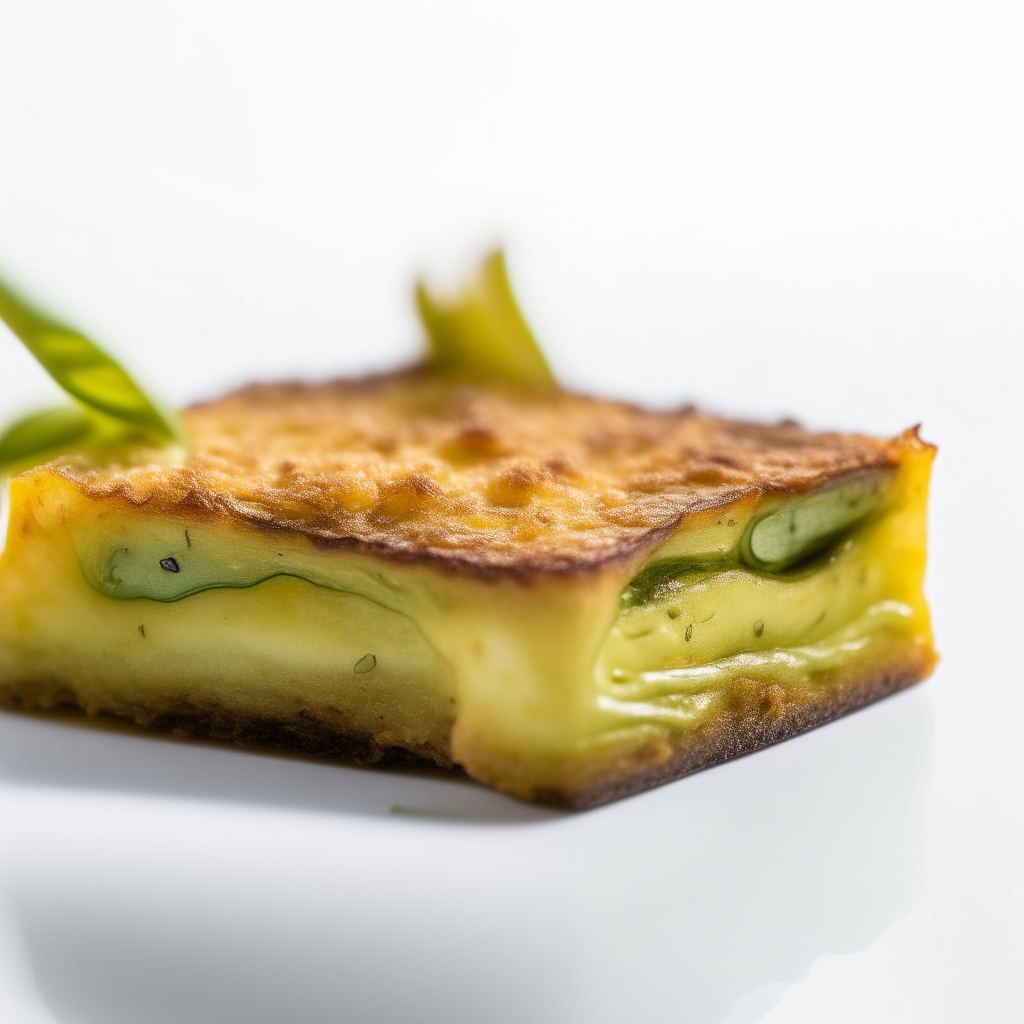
683 696
708 617
779 584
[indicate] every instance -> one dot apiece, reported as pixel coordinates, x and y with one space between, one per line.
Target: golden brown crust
490 480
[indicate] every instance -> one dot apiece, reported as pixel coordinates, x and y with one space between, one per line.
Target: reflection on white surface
20 1002
158 882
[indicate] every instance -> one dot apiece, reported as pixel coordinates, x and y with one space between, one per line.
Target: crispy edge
478 562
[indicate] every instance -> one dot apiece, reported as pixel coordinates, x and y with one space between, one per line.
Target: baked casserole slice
573 599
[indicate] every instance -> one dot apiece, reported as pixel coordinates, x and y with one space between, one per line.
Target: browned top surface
477 478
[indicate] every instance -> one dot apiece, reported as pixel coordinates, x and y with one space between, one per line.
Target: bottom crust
752 714
303 733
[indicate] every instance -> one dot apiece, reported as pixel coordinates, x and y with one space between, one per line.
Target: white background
775 208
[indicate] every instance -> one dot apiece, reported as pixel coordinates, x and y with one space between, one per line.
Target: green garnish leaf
84 370
43 432
481 332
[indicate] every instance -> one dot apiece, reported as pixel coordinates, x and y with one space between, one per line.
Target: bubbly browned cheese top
480 478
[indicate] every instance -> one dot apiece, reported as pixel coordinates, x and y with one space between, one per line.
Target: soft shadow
697 903
69 749
728 888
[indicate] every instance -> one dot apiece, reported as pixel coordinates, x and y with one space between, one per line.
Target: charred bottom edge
758 715
304 733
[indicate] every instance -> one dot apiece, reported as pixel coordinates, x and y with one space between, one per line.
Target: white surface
775 208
